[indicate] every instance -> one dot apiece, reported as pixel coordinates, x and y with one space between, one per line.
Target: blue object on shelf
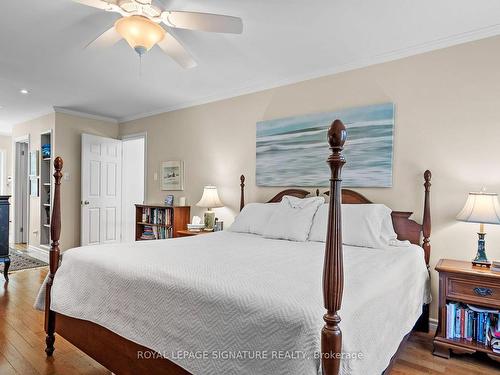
46 150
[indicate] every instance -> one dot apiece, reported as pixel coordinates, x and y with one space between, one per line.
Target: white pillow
253 218
365 225
293 218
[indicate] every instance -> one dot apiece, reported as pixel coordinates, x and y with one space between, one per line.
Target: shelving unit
164 221
45 190
460 282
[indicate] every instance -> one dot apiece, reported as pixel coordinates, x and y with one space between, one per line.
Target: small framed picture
169 200
172 175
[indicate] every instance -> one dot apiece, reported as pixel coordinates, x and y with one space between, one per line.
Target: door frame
124 138
22 139
143 135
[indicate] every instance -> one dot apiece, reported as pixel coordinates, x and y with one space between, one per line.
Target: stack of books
473 323
495 266
148 233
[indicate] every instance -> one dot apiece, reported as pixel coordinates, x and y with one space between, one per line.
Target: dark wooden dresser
462 283
4 233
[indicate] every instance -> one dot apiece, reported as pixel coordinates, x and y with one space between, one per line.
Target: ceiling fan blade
106 39
216 23
176 51
99 4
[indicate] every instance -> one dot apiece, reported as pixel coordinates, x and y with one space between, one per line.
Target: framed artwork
293 151
169 200
33 163
172 175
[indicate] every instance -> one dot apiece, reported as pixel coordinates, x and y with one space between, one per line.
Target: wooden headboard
406 228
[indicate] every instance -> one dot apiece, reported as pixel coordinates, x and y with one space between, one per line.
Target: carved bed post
242 196
55 232
333 269
426 221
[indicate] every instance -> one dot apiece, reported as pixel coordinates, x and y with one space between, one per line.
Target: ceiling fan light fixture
140 32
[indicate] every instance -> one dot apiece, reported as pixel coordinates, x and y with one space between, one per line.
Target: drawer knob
483 292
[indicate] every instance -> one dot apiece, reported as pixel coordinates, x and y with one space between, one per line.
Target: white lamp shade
482 208
210 198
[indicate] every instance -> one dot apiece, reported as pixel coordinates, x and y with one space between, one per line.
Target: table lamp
209 199
482 208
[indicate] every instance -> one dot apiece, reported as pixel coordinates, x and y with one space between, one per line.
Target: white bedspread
231 294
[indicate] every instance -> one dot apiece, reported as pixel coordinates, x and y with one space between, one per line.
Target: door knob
86 203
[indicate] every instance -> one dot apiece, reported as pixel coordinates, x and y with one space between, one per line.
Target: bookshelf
463 285
157 221
45 188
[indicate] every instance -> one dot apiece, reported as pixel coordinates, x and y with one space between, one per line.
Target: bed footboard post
55 232
426 221
333 269
242 194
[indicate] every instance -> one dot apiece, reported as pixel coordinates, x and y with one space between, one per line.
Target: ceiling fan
141 21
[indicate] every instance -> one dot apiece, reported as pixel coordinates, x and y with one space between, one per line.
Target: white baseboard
433 324
38 253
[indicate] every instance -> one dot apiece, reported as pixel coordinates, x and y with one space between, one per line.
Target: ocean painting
293 151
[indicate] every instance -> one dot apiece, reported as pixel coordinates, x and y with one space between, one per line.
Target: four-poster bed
120 354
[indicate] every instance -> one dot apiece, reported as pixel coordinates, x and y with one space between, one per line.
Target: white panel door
101 190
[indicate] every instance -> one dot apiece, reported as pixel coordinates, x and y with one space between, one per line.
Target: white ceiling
283 41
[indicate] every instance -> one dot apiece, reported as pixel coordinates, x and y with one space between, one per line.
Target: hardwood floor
22 342
22 339
19 246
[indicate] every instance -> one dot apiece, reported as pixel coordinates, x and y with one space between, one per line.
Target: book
449 318
452 316
462 323
470 323
457 323
480 327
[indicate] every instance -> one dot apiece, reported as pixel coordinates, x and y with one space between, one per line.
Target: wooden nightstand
460 282
188 233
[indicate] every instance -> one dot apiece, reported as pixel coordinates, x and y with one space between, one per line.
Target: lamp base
209 220
481 260
483 264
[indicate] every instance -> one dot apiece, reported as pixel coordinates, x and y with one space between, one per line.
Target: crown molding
33 117
252 87
91 116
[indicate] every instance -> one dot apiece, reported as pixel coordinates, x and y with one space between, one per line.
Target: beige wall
33 128
68 140
67 131
6 145
447 120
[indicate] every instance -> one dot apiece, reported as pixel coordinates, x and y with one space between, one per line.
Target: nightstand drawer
479 291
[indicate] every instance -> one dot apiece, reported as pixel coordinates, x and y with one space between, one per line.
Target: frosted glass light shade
140 32
210 198
482 208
